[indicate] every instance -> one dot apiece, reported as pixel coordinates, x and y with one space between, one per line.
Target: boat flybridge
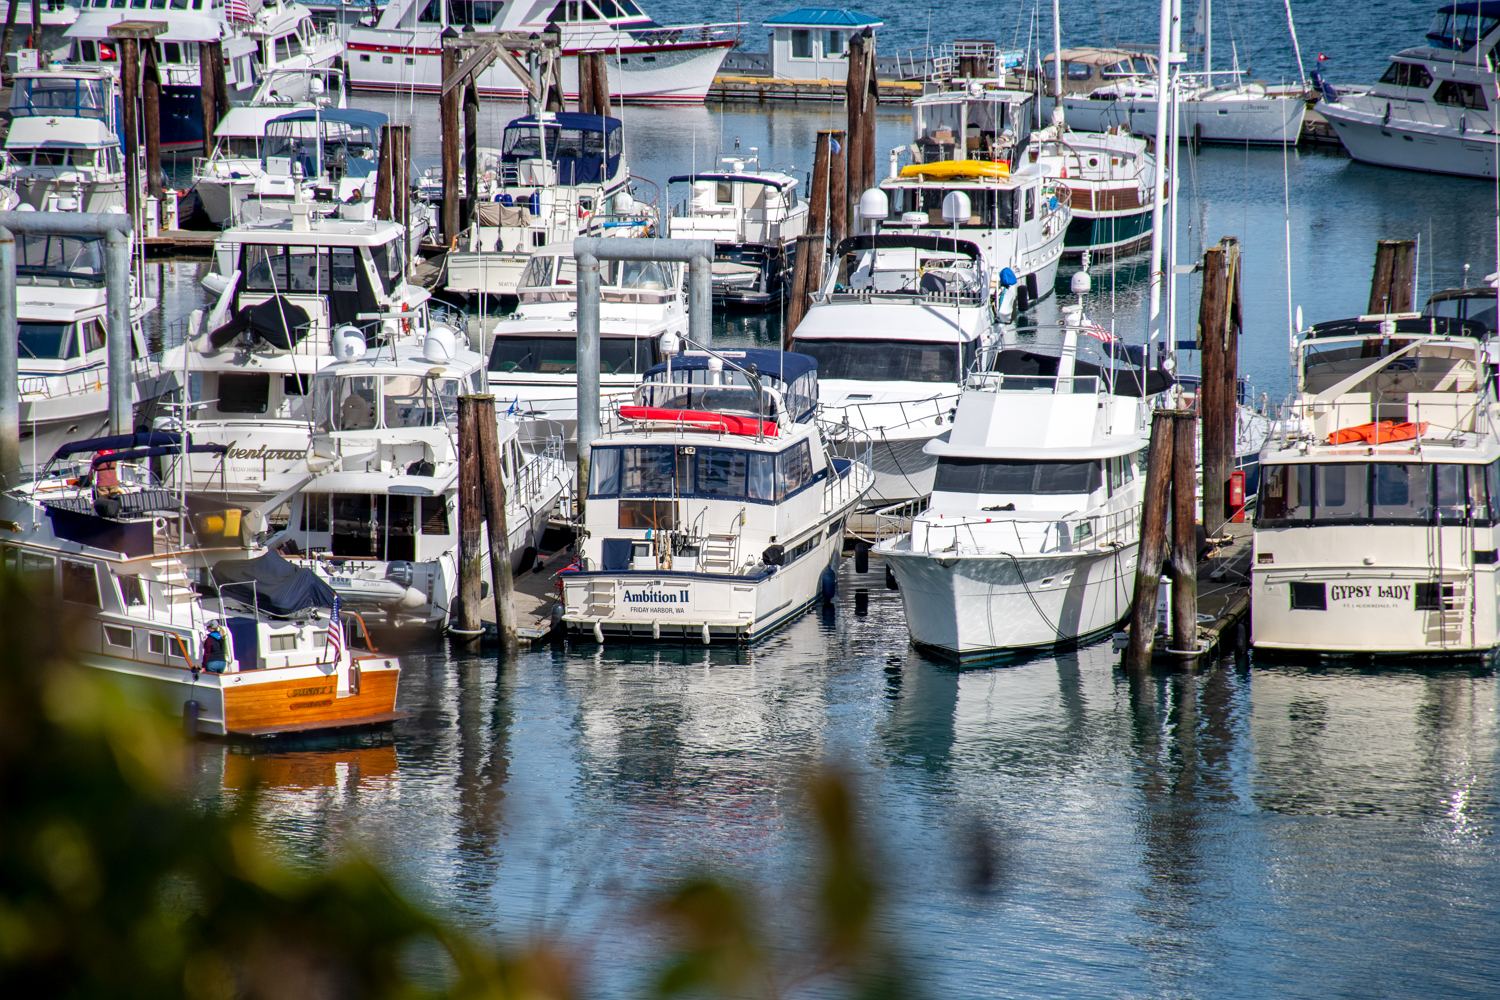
966 175
648 62
1108 88
63 148
533 361
1031 535
64 356
224 179
257 37
556 176
326 157
901 322
716 504
1433 109
150 574
1379 509
376 515
754 218
282 292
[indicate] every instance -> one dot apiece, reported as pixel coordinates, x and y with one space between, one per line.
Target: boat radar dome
440 346
624 204
1081 283
873 204
956 207
348 343
669 344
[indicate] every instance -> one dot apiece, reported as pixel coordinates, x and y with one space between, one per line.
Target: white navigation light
440 346
348 343
873 204
956 207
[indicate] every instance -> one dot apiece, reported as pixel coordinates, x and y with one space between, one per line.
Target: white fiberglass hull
1436 147
1254 120
973 605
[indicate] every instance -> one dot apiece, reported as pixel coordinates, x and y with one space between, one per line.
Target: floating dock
536 596
760 89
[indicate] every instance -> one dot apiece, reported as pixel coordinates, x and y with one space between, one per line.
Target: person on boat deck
215 649
106 478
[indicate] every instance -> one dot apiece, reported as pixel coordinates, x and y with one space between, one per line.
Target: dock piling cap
144 30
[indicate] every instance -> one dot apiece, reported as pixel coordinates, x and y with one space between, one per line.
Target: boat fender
1007 277
528 559
774 555
890 580
861 557
421 467
190 709
354 678
829 584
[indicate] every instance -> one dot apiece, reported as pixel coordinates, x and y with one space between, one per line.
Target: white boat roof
886 319
320 232
31 131
206 25
58 70
250 122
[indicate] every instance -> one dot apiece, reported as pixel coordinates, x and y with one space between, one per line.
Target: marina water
1047 828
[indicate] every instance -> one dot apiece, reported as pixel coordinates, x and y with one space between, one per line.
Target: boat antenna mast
1166 54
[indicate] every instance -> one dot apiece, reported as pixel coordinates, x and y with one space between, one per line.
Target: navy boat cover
272 584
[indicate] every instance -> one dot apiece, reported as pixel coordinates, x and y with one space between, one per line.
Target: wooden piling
601 82
838 188
10 30
872 98
207 54
817 208
1393 288
151 111
796 305
383 175
1153 547
221 86
859 104
465 613
471 152
130 86
1218 340
1184 534
448 110
502 586
555 102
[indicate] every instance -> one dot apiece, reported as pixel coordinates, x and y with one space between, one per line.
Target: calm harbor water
1287 831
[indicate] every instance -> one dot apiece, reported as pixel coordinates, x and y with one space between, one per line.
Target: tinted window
887 360
793 469
617 355
998 476
243 393
80 583
48 340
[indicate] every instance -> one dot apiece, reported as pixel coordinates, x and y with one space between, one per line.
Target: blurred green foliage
114 884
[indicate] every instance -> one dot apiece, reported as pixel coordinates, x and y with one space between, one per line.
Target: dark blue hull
1120 233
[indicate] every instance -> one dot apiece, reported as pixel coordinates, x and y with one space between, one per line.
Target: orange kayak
1383 432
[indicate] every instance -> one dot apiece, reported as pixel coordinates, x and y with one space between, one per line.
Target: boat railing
63 384
854 446
671 34
532 478
864 296
896 520
1021 534
936 409
1058 385
1315 421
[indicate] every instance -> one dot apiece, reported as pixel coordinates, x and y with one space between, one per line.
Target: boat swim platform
1223 605
321 725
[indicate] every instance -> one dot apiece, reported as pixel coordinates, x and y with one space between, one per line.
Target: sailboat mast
1169 265
1057 101
1163 154
1208 42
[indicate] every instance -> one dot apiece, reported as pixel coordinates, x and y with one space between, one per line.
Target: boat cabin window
60 257
416 401
473 11
80 583
300 269
288 46
617 355
993 208
1377 493
435 516
244 392
47 341
37 570
676 470
374 526
59 97
1407 75
1460 95
432 13
1478 307
389 264
1459 32
889 360
1016 478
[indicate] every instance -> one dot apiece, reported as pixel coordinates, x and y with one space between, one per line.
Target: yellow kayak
957 168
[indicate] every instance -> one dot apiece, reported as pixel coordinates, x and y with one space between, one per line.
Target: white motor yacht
1433 109
328 157
1379 512
148 579
716 506
282 292
378 519
1031 536
901 322
555 177
648 62
63 145
1115 88
64 358
754 218
533 365
970 141
225 178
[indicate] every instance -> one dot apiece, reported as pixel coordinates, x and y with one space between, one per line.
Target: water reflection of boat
308 768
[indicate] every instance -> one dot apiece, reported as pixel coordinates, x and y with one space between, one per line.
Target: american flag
237 10
336 630
1099 333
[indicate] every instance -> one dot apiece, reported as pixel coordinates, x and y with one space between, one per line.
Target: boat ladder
599 600
716 553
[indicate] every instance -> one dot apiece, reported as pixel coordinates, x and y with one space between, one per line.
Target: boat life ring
957 168
727 423
1383 432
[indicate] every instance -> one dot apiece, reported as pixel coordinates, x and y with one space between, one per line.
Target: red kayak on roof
726 423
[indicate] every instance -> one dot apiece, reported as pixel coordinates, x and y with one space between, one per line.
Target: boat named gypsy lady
716 508
1379 510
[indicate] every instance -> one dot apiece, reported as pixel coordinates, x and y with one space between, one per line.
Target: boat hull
982 605
1106 232
1407 145
1268 120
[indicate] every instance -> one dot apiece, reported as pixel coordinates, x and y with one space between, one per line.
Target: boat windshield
548 355
365 402
62 97
676 470
992 208
1377 493
549 278
910 271
48 341
1459 32
1004 477
1478 307
889 360
1428 368
61 257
